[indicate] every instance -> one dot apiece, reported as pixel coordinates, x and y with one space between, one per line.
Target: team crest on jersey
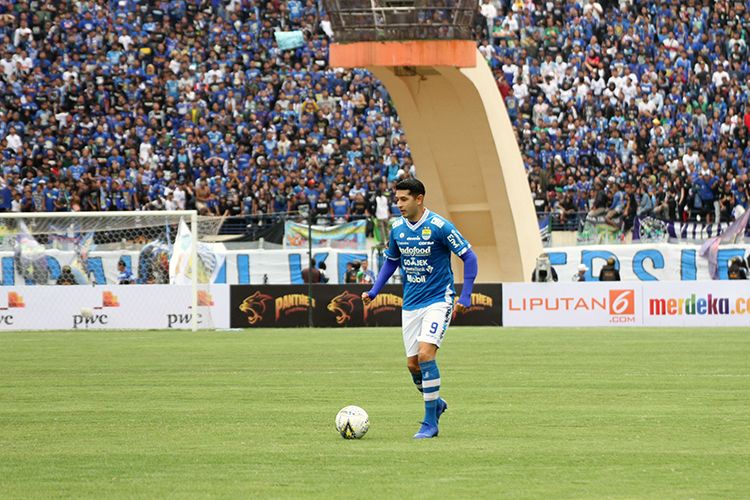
426 233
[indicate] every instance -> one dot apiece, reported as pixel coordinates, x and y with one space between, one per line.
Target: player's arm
386 271
471 268
392 260
458 245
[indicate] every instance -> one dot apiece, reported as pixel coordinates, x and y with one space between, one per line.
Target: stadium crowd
627 108
622 108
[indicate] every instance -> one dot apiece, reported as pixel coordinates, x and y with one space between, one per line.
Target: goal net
157 254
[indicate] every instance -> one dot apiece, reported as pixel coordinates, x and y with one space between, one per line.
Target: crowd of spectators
126 105
627 108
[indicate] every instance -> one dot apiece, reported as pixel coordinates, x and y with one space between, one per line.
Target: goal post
113 249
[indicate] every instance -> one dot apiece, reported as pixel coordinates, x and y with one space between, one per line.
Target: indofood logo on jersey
619 304
292 303
415 251
479 302
342 305
384 302
255 307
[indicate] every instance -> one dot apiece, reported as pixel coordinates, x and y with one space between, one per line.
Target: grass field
631 413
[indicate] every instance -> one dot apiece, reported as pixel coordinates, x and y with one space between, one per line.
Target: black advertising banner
268 305
333 305
342 306
486 307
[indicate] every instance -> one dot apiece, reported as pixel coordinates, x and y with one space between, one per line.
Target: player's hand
461 307
366 298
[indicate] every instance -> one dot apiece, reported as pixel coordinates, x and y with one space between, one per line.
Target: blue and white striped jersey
424 251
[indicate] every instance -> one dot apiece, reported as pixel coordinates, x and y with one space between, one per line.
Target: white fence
655 262
646 262
281 267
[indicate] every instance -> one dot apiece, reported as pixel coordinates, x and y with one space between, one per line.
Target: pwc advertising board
126 307
341 305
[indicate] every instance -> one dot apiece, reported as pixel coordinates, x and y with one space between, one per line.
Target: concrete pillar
464 149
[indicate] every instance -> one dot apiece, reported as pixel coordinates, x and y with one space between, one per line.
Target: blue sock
431 390
417 378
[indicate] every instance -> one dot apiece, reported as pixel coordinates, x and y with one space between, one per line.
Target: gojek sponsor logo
699 305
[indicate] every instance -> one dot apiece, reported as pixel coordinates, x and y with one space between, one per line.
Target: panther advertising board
111 307
572 304
707 303
332 305
342 306
268 306
486 308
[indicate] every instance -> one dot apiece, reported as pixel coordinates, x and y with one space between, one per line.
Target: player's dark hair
414 186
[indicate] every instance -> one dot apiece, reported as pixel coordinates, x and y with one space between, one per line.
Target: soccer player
421 243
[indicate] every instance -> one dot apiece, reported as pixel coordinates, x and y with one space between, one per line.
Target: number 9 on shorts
427 324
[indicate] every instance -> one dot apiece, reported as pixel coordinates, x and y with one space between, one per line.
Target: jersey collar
419 222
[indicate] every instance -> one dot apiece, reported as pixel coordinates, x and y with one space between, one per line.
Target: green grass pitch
534 413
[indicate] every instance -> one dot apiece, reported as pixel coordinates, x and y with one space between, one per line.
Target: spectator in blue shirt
340 207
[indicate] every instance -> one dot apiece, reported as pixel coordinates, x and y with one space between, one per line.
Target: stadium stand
621 108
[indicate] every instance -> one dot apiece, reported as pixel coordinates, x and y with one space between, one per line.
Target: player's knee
426 354
424 358
412 364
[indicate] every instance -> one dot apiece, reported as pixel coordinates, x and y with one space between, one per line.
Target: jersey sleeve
454 240
393 252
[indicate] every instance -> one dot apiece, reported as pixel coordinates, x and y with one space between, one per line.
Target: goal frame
192 215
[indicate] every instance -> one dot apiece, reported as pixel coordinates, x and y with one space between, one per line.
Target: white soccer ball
87 312
352 422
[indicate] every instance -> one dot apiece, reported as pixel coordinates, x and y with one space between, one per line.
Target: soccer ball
87 312
352 422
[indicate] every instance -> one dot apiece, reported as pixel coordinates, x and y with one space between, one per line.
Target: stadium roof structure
394 20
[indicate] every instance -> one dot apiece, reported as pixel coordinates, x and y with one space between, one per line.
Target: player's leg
430 388
434 325
412 363
411 322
